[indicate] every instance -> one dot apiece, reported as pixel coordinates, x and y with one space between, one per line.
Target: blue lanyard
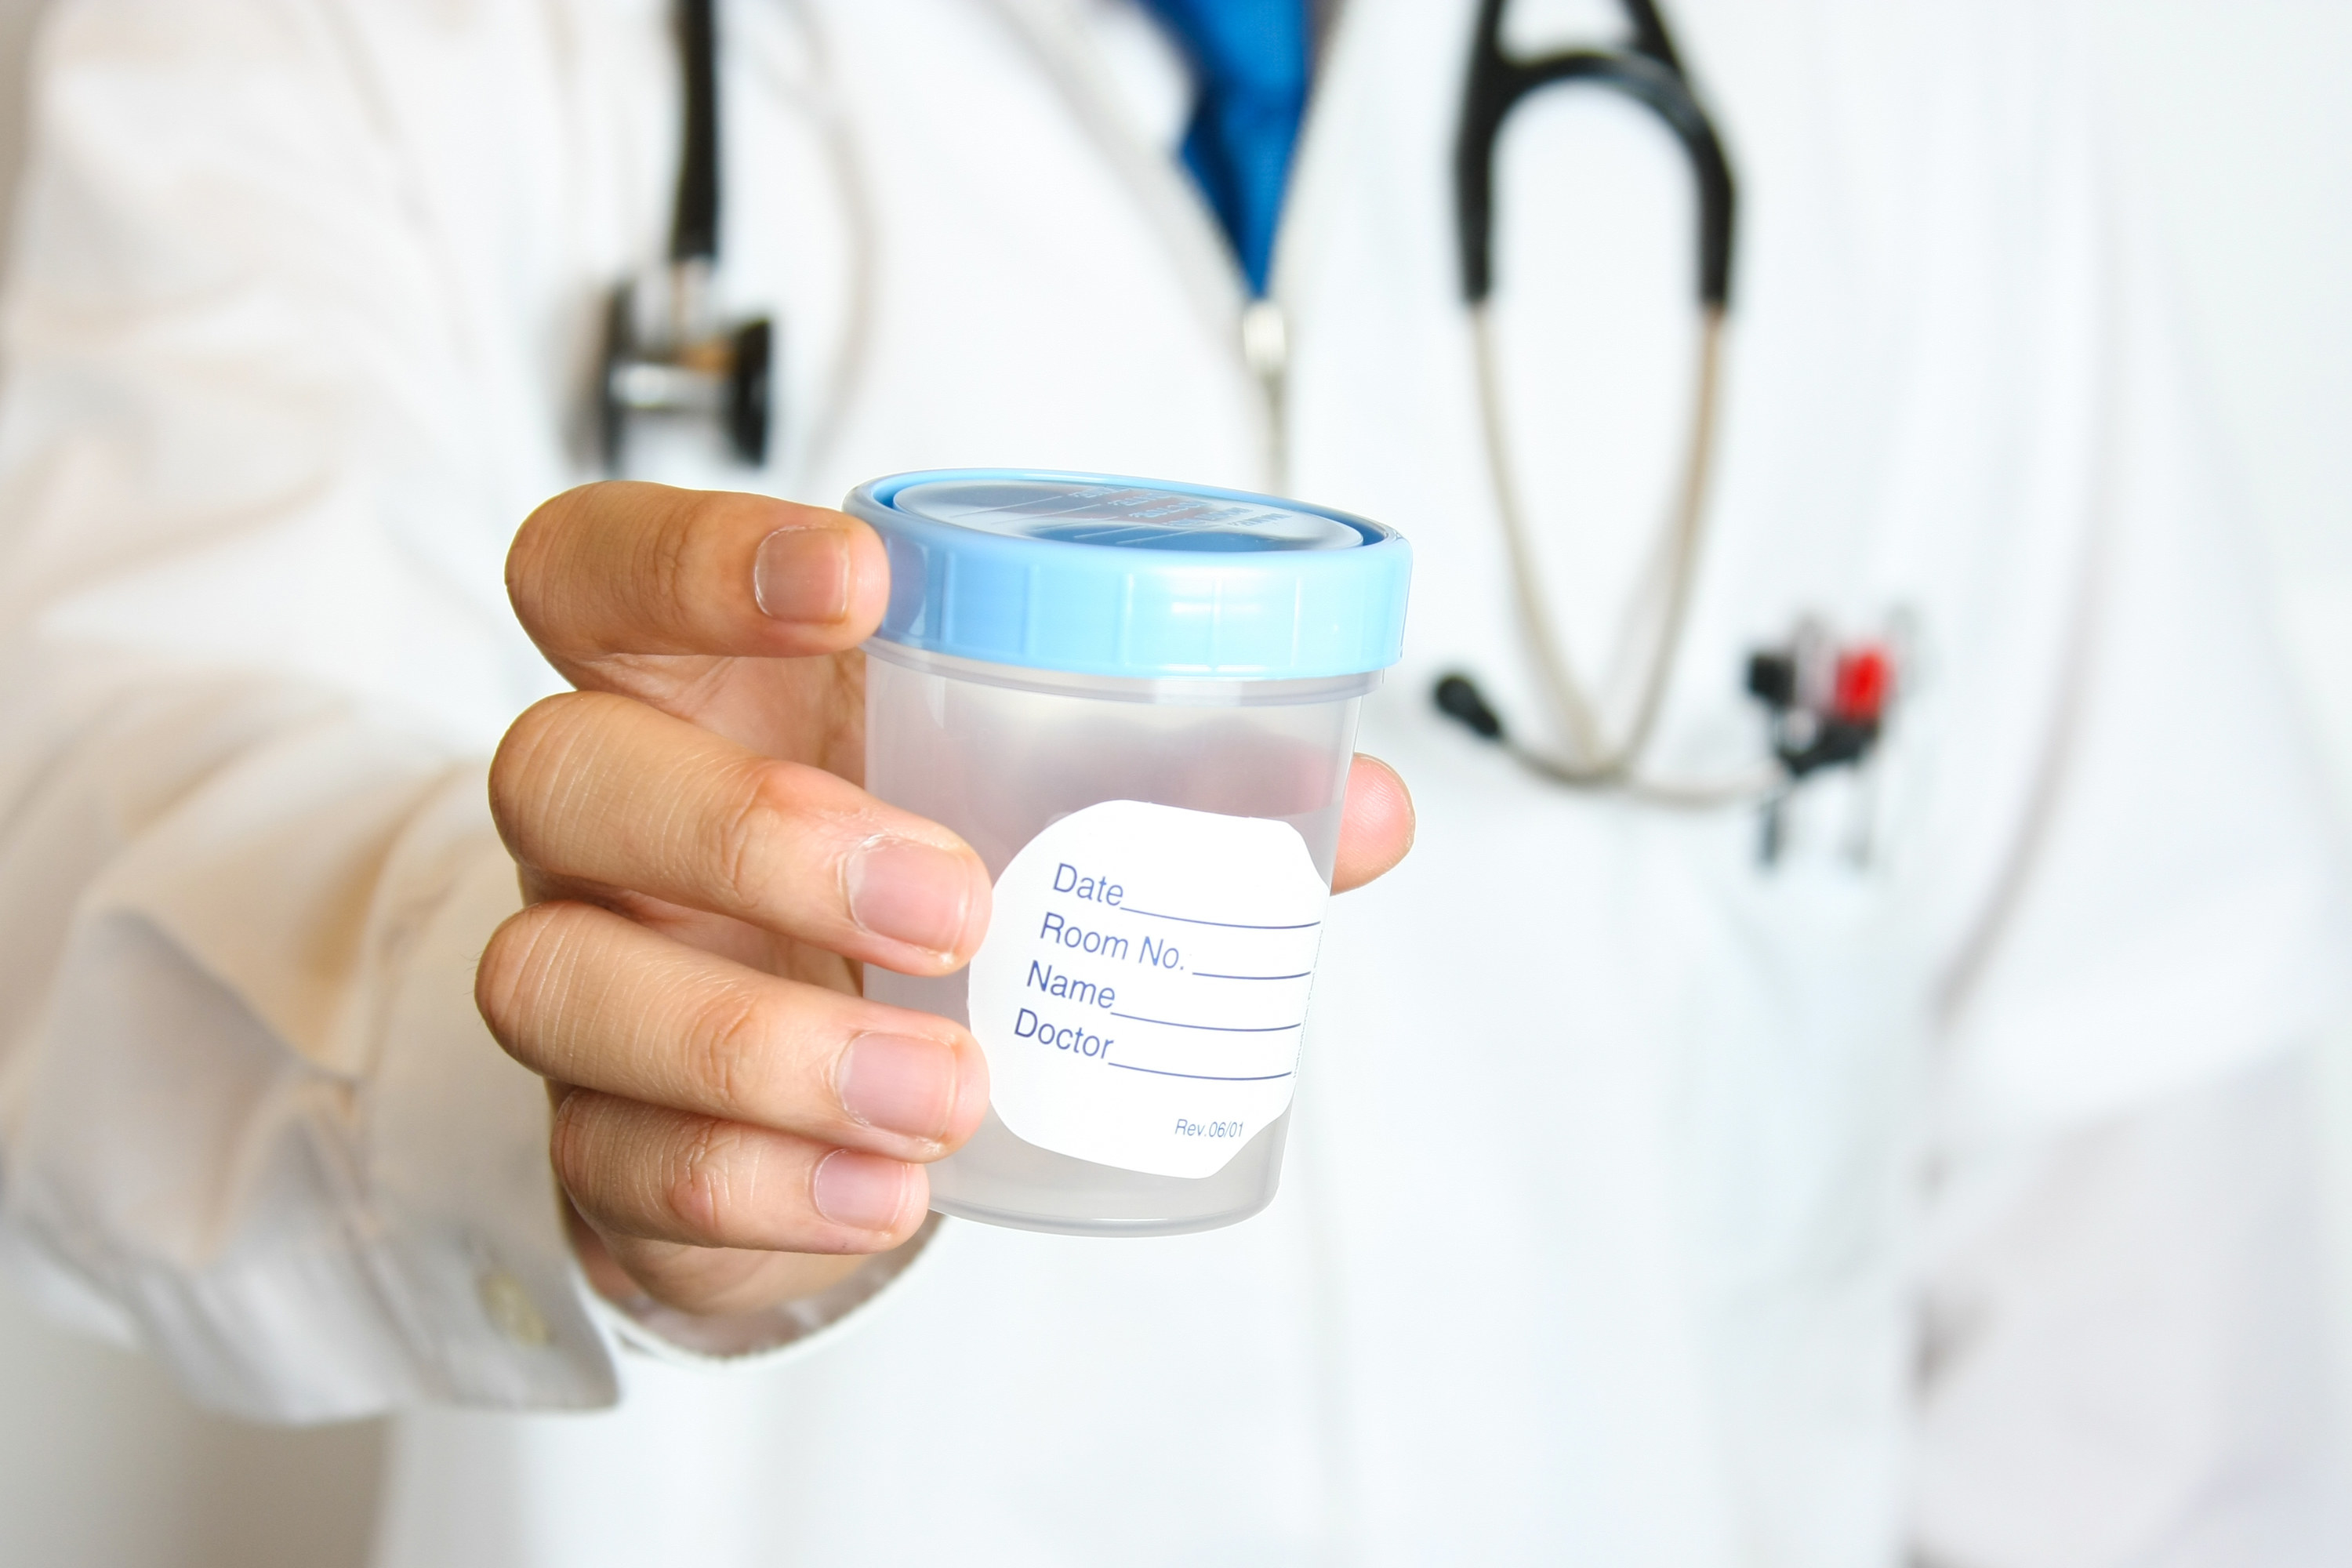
1250 63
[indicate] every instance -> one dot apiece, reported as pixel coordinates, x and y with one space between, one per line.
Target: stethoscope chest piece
668 354
667 358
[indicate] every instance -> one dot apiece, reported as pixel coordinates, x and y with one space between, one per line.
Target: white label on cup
1143 985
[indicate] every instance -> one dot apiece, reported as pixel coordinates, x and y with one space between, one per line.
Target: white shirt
1622 1168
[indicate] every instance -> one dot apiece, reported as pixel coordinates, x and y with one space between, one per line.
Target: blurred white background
2241 131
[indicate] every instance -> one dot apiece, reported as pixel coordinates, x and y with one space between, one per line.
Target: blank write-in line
1220 1028
1205 1077
1229 925
1300 976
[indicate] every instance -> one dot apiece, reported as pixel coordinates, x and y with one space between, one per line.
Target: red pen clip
1864 684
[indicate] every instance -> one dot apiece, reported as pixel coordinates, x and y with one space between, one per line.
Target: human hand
734 1125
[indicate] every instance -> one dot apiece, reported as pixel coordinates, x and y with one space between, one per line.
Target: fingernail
803 574
909 892
863 1191
899 1084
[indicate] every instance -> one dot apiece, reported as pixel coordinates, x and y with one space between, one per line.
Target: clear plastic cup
1136 701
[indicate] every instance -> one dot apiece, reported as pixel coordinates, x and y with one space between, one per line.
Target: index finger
622 568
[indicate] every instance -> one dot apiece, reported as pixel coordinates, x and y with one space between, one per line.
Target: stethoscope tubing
1650 74
686 286
1606 765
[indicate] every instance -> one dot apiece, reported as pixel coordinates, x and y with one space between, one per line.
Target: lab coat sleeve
2126 1355
256 659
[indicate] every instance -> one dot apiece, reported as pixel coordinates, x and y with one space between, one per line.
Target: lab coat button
512 1310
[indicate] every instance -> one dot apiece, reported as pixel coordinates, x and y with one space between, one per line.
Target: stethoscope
1825 703
667 354
666 357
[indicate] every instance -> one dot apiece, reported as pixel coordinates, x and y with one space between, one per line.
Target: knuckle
570 1143
728 1041
520 766
700 1194
530 557
674 555
670 553
503 979
553 769
752 836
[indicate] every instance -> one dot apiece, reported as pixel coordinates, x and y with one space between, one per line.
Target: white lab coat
1642 1207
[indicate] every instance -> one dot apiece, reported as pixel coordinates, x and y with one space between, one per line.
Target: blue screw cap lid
1097 575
